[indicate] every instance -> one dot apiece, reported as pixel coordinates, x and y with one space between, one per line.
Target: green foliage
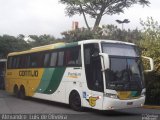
151 30
111 32
77 35
11 44
150 45
97 8
150 42
40 40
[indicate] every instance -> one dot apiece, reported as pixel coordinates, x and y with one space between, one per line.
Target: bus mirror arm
151 63
105 61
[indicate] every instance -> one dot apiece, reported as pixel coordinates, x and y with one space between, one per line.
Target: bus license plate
129 103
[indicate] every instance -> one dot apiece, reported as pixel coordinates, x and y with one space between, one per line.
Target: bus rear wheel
75 101
15 91
22 93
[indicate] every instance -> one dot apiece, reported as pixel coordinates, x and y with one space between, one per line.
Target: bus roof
45 47
106 41
37 49
64 45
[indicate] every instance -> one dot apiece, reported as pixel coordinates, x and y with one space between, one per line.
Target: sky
37 17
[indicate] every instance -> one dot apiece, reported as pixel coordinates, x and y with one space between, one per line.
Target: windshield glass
125 72
120 49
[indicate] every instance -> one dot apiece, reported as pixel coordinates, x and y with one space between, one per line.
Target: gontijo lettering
29 73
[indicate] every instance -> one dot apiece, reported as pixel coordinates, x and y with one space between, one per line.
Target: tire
22 93
75 101
15 91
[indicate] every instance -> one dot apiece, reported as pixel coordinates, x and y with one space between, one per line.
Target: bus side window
9 63
78 60
36 60
26 61
46 60
14 63
61 58
22 61
17 62
69 57
73 56
33 61
53 60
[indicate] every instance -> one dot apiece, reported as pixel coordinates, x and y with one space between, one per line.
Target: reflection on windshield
120 50
124 74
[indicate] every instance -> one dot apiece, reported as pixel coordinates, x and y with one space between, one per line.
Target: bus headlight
110 95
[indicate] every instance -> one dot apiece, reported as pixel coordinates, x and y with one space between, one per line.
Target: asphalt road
12 105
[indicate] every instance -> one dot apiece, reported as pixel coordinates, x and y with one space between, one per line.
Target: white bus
98 74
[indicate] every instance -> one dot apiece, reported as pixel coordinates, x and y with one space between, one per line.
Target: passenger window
53 59
36 60
60 58
73 56
14 62
46 60
22 61
9 63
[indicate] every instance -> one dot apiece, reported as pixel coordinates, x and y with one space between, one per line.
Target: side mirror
105 61
151 63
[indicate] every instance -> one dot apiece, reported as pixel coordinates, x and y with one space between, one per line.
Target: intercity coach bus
98 74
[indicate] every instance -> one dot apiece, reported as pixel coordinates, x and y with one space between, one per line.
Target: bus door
94 77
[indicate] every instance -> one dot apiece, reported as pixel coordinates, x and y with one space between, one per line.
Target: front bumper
111 104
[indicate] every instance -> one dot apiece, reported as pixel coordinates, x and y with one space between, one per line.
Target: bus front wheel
75 101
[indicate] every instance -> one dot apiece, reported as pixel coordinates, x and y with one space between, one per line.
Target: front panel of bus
121 84
124 81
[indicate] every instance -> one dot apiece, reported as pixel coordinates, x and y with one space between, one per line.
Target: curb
151 107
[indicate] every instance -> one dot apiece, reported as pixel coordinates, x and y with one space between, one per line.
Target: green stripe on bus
55 80
46 78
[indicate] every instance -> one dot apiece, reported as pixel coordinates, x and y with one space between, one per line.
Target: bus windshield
125 72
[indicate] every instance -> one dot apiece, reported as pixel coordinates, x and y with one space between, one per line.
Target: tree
111 32
77 35
150 42
150 45
41 40
151 29
98 8
11 44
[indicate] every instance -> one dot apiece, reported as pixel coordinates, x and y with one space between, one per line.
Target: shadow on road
110 112
47 102
88 110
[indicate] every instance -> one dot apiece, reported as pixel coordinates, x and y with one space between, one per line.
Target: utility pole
122 22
